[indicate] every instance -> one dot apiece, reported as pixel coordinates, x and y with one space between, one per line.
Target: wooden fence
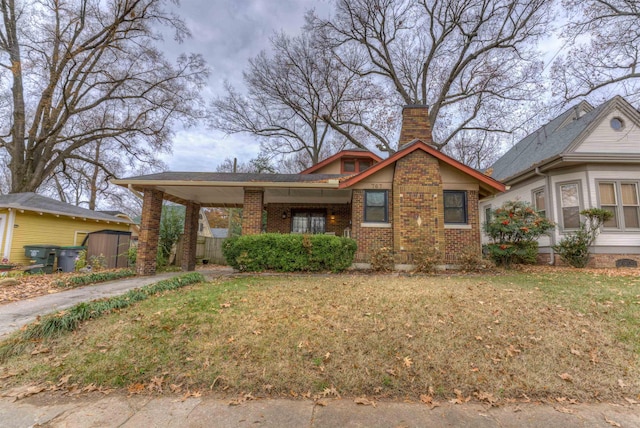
206 249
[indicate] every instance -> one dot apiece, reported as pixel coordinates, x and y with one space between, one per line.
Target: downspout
552 257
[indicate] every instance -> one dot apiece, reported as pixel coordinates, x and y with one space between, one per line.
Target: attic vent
617 124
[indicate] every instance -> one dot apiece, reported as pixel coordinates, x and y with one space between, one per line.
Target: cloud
228 33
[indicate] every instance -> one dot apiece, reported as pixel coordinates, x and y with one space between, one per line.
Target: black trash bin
67 257
44 256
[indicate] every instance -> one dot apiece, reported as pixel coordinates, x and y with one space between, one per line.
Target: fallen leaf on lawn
135 388
485 396
575 352
322 403
479 338
330 392
268 387
621 383
564 410
612 423
407 362
566 377
189 394
175 388
225 305
364 401
426 399
64 379
392 372
90 388
40 351
8 375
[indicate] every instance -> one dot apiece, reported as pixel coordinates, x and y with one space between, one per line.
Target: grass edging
69 319
94 277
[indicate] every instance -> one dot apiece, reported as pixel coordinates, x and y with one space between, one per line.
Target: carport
196 190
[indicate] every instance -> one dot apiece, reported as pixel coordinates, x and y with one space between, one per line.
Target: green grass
510 335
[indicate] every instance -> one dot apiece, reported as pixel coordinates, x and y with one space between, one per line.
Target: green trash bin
44 256
67 257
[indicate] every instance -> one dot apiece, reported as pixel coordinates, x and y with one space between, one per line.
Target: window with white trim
621 200
570 205
540 201
303 221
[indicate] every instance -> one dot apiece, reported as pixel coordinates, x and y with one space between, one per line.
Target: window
488 214
355 165
539 202
621 200
570 205
308 221
455 206
376 204
608 201
349 166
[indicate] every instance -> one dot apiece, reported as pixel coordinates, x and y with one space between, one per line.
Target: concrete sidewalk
116 410
15 315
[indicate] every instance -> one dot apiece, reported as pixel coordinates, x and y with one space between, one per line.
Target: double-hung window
455 207
570 205
621 200
539 202
376 206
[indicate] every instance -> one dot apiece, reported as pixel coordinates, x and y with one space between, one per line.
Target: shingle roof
33 202
549 141
232 177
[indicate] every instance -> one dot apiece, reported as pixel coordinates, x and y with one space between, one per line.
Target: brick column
149 232
190 237
252 212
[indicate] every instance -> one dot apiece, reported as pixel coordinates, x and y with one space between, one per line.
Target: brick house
416 197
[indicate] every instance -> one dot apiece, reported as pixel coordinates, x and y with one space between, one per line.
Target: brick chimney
415 125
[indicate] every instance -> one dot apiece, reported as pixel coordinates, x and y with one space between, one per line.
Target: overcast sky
228 33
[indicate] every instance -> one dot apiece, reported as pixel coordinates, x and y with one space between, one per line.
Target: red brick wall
369 239
463 240
149 232
418 213
276 224
252 212
415 125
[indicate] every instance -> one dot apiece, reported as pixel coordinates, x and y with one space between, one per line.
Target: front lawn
543 334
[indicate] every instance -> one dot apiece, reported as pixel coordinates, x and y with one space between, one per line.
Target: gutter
330 184
552 256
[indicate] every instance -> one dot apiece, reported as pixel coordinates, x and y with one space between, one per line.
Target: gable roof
352 153
420 145
555 138
30 201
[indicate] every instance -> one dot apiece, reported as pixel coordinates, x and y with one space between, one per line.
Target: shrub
470 260
382 260
514 228
426 259
94 277
132 255
574 247
289 253
81 260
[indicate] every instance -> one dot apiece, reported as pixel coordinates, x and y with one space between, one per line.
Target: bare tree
478 151
292 93
84 71
470 61
603 40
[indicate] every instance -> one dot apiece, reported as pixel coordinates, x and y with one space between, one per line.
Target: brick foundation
190 239
596 261
149 232
252 212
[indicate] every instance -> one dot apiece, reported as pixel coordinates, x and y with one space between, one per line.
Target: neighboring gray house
585 158
219 232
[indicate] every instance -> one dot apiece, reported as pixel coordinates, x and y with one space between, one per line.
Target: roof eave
141 184
60 213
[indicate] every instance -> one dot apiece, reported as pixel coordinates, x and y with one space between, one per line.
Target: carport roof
226 189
